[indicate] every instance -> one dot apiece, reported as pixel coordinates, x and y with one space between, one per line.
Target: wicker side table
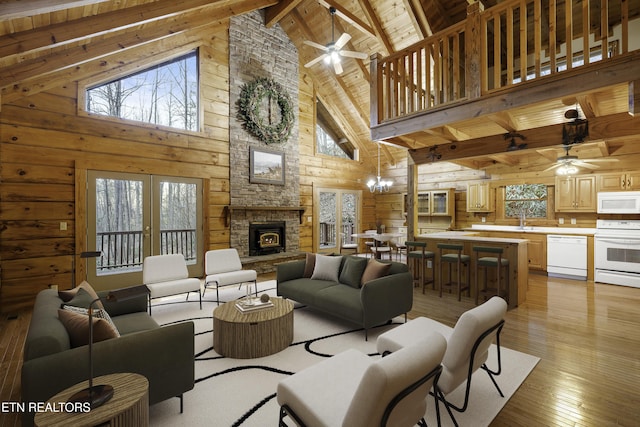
254 334
129 405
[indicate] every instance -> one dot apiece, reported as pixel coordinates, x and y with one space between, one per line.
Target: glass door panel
118 227
178 217
338 214
328 221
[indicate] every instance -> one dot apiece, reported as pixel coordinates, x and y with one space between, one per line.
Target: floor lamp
99 394
86 254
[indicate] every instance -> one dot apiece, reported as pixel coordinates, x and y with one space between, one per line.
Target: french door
337 217
132 216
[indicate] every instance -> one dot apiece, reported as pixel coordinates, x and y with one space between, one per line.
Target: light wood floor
587 336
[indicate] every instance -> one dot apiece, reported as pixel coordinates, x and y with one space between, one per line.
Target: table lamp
99 394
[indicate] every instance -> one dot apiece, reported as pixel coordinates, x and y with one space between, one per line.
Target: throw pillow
375 269
68 295
81 299
352 271
327 268
77 326
310 264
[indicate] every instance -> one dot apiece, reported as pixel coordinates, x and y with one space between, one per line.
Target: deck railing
123 250
492 50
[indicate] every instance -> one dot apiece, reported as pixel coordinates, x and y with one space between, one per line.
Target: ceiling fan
569 164
333 50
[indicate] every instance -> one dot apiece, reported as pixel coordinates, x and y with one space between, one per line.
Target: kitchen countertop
469 236
527 229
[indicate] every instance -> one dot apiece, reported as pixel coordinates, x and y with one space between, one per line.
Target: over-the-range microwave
619 202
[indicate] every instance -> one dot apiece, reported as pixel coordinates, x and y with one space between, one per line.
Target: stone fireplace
256 51
267 237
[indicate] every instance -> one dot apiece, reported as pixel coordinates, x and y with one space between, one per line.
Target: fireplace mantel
228 210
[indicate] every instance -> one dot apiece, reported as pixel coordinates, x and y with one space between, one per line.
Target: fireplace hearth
267 238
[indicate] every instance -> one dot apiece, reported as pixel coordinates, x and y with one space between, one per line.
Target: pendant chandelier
379 185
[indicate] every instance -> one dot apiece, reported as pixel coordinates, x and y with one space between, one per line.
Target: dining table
378 238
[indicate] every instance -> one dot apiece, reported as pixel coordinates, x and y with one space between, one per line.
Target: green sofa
368 305
164 355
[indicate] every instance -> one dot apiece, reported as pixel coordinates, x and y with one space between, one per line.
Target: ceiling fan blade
351 54
315 61
316 45
557 165
337 66
344 38
581 164
601 160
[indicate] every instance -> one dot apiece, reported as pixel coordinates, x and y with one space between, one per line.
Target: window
527 199
330 139
327 145
166 95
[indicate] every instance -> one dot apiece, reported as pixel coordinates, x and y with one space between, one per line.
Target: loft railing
513 42
123 250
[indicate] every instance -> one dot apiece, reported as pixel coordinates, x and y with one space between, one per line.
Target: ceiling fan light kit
333 50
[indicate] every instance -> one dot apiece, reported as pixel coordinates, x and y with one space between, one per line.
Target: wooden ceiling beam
275 13
600 128
349 17
418 18
25 9
55 35
380 35
30 77
618 71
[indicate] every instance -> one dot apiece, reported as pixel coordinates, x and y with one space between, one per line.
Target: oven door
617 253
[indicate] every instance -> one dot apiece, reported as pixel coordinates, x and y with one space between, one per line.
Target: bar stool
460 260
417 254
495 261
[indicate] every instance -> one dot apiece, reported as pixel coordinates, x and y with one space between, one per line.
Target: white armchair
223 268
167 275
467 346
352 389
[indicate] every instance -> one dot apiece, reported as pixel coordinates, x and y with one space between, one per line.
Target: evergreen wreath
249 104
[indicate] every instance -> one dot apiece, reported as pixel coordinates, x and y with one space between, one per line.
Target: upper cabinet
479 197
576 193
435 203
619 181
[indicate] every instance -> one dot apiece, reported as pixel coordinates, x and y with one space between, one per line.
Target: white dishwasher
567 256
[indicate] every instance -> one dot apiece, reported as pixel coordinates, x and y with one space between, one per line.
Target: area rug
241 392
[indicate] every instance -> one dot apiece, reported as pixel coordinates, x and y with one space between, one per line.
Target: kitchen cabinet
434 203
576 193
479 197
619 181
536 249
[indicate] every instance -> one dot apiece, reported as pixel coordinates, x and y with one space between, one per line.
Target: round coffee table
252 334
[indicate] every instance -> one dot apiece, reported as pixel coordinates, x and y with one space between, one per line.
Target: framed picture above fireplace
266 166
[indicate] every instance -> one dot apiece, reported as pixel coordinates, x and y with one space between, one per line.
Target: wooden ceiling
39 37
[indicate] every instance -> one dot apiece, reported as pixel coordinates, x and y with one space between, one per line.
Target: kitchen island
515 250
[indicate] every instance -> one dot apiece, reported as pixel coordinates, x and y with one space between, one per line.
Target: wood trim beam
619 70
600 128
418 18
634 97
26 9
275 13
63 33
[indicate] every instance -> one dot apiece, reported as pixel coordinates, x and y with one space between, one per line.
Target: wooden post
412 194
473 48
375 94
